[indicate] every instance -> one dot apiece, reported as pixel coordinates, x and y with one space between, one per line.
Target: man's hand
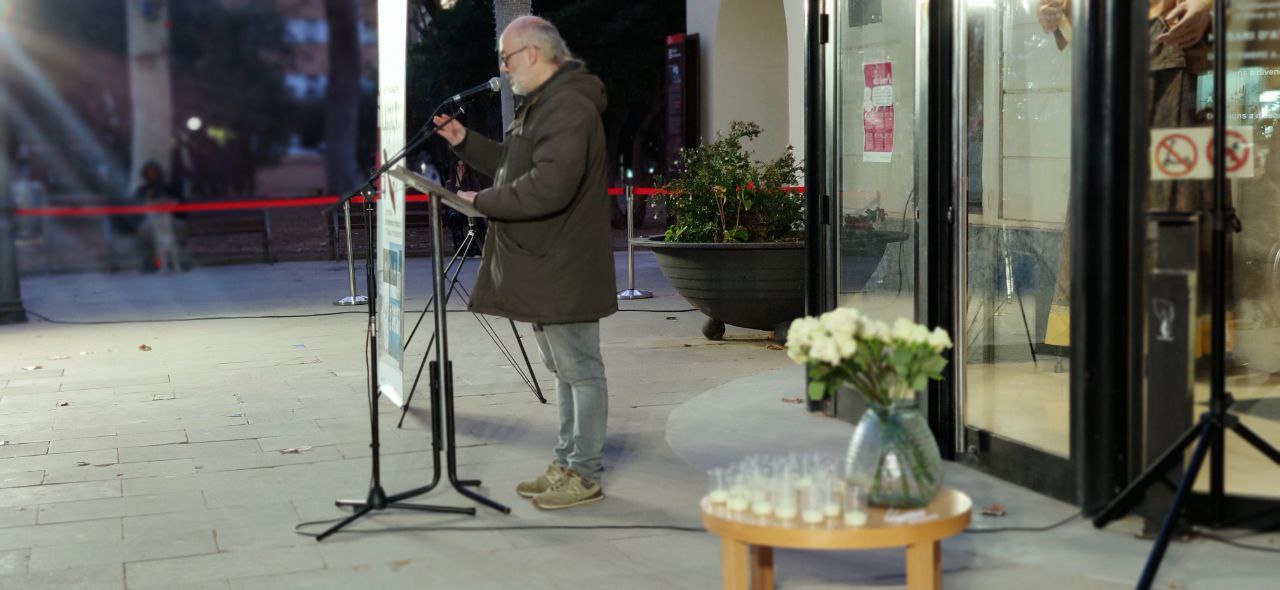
1188 22
469 197
452 132
1050 14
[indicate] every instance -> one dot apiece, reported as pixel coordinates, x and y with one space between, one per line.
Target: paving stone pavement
163 466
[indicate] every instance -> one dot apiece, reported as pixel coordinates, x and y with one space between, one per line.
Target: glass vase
894 456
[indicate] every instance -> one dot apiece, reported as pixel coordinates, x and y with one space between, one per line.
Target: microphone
493 85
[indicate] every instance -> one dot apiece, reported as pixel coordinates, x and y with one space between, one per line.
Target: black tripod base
1210 427
378 500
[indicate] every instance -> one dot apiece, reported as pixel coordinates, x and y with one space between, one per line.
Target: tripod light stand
1208 433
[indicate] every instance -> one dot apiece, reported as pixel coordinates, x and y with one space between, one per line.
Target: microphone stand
377 498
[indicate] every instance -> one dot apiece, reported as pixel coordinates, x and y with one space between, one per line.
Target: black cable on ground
1233 543
298 529
50 320
1021 529
655 527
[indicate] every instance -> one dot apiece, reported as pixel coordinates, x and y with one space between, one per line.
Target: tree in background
505 11
622 42
342 96
228 71
149 87
71 103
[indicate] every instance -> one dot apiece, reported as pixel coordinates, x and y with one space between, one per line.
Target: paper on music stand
425 185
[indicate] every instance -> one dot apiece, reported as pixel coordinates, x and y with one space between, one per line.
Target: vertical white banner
392 49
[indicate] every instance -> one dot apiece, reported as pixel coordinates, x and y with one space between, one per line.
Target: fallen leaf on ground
776 347
671 317
792 400
82 463
61 357
32 368
1174 586
994 510
235 415
63 403
294 450
144 347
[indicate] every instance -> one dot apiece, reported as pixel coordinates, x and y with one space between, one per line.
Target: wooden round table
747 541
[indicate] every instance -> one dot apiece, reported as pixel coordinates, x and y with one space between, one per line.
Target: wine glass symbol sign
1164 311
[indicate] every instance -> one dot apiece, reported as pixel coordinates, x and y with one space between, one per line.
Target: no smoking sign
1186 153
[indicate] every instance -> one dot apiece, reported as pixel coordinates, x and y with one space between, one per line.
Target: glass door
1013 136
876 173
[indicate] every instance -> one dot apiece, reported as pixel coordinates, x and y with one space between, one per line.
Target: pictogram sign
1186 153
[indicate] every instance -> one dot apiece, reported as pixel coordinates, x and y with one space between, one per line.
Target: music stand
442 417
377 498
454 270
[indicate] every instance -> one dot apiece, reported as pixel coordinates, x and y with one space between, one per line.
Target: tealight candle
855 506
762 508
738 503
812 516
785 512
855 518
718 497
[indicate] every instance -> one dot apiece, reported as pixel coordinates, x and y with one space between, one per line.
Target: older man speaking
549 258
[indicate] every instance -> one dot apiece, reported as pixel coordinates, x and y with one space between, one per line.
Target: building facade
980 166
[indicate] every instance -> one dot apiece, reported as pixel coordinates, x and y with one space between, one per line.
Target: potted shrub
735 247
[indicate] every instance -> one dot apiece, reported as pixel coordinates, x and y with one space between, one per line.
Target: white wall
748 71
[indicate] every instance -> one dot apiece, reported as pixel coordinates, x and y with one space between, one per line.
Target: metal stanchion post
631 292
352 299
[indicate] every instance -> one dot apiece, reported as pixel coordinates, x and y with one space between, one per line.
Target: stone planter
757 286
861 250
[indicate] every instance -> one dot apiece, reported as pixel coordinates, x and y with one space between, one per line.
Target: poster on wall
392 49
877 112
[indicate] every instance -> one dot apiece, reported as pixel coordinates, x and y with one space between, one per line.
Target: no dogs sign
1186 153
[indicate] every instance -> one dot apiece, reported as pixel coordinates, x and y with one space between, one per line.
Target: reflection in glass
1017 114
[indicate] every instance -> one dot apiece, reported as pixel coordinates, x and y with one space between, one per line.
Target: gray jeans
572 353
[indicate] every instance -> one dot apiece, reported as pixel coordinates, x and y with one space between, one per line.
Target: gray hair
540 33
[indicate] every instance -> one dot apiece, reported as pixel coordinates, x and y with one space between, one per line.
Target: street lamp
194 124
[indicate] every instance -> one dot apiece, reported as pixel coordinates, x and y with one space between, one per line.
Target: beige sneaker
555 472
570 491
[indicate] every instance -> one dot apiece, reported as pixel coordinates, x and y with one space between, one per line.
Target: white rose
847 345
824 350
873 330
802 330
842 321
939 339
919 334
903 328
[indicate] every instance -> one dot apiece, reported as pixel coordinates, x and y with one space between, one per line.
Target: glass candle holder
855 506
717 486
786 504
813 502
836 491
739 498
762 489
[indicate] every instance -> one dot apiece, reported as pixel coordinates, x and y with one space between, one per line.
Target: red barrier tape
258 204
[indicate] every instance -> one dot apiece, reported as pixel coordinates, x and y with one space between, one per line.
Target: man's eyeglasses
506 58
